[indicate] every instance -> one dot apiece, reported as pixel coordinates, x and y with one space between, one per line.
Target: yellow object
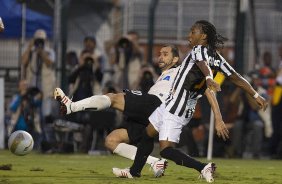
277 93
219 78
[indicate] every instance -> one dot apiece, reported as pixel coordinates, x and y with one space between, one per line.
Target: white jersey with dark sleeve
163 85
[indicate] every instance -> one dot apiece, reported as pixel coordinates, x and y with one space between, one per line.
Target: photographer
38 62
87 76
85 81
129 57
146 79
25 111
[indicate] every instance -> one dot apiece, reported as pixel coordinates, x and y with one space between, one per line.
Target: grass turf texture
84 169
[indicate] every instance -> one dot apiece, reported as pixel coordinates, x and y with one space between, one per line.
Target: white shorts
168 125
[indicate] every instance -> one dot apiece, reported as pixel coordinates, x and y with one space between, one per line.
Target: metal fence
173 19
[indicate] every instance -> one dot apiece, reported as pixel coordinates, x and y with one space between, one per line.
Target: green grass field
84 169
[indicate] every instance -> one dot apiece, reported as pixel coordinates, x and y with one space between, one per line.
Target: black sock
181 158
144 149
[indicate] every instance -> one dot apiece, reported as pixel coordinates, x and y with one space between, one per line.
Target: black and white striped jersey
189 84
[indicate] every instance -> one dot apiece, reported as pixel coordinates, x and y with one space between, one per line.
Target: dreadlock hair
214 39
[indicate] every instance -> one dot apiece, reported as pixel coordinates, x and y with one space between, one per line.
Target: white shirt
163 85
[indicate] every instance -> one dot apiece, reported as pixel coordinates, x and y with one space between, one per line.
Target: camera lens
39 43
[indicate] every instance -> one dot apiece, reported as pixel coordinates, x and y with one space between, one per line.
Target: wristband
256 95
208 77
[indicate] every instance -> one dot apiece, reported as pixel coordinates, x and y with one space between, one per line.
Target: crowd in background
254 133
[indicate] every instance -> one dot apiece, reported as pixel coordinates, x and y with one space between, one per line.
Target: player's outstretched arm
241 82
220 127
206 70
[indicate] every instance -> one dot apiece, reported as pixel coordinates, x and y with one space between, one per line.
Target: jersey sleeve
199 53
225 67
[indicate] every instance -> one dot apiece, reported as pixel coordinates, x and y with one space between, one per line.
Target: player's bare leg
118 142
117 101
115 138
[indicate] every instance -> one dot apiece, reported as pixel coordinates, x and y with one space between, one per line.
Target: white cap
40 33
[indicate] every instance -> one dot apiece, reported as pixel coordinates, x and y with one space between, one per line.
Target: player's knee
111 142
111 96
117 101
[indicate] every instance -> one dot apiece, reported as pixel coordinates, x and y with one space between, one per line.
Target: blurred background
67 31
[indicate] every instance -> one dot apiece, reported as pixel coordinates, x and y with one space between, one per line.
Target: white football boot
65 101
159 167
122 173
208 172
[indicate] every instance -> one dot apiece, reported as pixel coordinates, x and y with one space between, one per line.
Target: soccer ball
20 142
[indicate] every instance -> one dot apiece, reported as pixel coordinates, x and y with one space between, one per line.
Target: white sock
129 151
93 103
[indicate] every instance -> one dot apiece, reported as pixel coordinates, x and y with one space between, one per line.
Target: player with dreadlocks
188 86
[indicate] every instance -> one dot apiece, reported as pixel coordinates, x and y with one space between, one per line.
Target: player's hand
221 129
262 103
211 84
1 25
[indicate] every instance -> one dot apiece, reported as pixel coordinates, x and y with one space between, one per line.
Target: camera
147 75
29 105
88 61
39 43
30 94
147 81
124 46
124 43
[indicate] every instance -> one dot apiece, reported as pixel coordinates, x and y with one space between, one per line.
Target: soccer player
137 107
168 119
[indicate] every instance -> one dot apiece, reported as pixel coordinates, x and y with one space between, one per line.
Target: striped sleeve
225 67
199 53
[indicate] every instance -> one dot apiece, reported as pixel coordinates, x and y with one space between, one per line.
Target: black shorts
138 107
134 131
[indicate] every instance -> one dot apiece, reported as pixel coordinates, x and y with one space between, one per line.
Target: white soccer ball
20 142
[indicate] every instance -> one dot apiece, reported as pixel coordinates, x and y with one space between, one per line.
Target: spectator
146 79
128 58
248 129
25 111
137 51
276 140
87 75
38 61
71 62
84 81
267 74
